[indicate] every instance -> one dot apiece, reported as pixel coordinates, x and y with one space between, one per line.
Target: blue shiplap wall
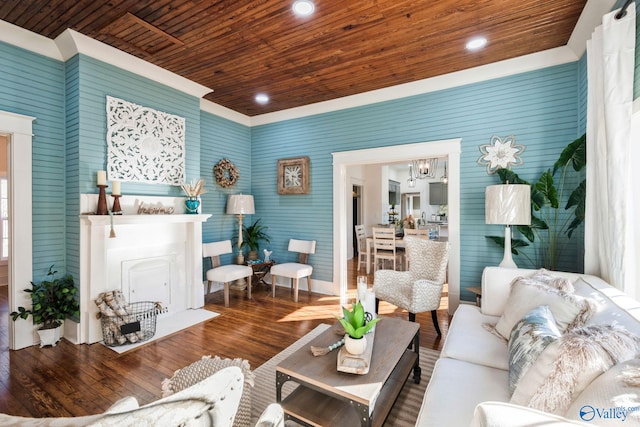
34 85
222 138
539 107
90 81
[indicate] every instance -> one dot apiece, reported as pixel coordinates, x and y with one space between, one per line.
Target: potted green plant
52 301
355 325
252 235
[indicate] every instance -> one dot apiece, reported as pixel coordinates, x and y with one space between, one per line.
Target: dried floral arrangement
194 188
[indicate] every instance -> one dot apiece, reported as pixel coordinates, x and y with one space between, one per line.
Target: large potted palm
252 235
52 301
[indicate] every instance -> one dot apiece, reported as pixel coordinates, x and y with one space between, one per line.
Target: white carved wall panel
143 144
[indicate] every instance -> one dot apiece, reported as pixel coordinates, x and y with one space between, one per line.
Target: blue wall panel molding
221 139
545 109
539 107
34 85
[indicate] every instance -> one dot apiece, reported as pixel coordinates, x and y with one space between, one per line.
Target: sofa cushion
569 310
205 367
568 365
454 390
499 414
529 337
612 399
468 340
613 305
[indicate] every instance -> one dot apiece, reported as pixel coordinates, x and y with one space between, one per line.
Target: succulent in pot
355 325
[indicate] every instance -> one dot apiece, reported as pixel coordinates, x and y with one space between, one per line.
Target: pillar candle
102 177
115 191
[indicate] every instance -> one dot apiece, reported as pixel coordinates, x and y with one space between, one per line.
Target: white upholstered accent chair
384 246
361 239
295 270
224 273
422 233
420 288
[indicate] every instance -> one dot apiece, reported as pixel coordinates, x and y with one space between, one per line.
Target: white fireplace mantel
171 243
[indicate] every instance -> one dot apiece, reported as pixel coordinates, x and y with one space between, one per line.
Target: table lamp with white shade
508 204
240 204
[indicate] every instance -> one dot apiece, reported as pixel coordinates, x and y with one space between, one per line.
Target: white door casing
22 333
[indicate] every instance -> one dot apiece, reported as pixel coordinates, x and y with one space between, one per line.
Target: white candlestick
102 177
115 188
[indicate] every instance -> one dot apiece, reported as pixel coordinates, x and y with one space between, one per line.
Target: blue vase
192 204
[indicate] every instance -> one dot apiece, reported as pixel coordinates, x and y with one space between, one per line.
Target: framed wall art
293 175
143 144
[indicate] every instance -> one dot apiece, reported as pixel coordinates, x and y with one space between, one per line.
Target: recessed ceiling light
262 98
476 43
303 7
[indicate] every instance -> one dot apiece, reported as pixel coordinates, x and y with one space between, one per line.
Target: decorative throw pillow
526 294
546 277
205 367
529 337
568 365
612 399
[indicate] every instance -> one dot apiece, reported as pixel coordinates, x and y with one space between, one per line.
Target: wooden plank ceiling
241 47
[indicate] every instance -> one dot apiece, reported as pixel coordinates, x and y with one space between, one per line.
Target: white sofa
211 402
470 381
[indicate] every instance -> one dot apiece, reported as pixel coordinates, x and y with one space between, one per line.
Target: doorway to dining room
343 201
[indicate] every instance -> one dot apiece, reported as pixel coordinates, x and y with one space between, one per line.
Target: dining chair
422 233
384 246
224 273
420 288
361 239
295 270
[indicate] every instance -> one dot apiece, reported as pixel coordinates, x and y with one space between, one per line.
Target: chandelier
423 168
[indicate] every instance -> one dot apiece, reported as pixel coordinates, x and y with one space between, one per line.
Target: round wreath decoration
226 173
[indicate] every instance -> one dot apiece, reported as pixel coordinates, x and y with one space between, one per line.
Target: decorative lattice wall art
143 144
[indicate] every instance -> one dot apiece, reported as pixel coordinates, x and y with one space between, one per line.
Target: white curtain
611 244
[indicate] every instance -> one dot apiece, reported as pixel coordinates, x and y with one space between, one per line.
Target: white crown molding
224 112
28 40
522 64
71 42
590 18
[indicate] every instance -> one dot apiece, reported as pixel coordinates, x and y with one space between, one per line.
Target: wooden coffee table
326 397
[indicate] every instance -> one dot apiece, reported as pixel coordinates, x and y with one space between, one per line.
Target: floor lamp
508 204
240 204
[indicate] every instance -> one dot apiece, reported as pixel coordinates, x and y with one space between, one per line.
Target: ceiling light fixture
262 98
476 43
303 7
424 168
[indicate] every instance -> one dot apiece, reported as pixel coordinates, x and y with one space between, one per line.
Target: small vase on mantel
355 346
192 204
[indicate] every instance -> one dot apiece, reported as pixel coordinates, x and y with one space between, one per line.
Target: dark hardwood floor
74 380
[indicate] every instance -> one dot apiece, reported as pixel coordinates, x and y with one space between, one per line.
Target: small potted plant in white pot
356 326
52 301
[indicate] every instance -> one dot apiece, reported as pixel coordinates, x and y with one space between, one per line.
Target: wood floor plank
74 380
